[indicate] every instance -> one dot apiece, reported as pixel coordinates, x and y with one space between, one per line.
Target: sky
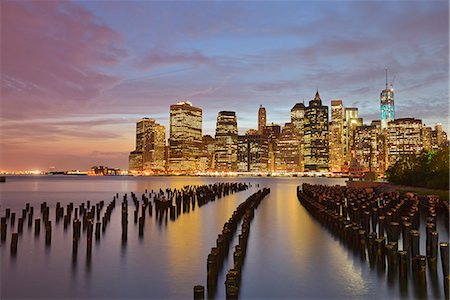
75 76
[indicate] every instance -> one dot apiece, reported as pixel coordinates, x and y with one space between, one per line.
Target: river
289 254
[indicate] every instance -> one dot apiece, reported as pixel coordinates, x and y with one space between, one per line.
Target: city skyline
236 64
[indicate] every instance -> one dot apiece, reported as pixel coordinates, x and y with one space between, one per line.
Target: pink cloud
51 53
155 58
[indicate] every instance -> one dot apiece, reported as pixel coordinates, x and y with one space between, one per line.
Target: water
289 255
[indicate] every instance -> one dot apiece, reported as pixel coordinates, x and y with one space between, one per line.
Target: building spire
386 77
317 96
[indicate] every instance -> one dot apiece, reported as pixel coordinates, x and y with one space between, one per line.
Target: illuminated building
150 144
104 171
404 137
253 152
298 120
427 141
135 164
185 137
351 121
336 136
154 158
226 141
287 150
438 137
261 119
316 154
208 150
387 105
272 132
367 147
438 130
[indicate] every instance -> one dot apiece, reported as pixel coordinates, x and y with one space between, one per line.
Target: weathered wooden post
14 239
20 225
97 230
445 268
414 243
403 265
406 228
37 227
199 292
48 233
3 229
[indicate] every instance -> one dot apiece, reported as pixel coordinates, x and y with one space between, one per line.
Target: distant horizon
96 67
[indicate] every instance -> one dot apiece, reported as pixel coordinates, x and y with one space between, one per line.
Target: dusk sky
77 75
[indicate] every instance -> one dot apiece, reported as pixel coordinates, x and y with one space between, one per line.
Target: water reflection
288 253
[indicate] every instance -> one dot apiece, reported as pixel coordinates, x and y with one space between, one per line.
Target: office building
185 137
336 136
298 120
387 105
287 150
150 143
404 138
316 151
253 152
262 120
226 146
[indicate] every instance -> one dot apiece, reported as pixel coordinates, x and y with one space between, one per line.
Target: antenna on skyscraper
386 77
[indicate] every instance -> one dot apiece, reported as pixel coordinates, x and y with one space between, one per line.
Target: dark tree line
429 169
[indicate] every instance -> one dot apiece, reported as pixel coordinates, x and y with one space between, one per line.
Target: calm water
289 255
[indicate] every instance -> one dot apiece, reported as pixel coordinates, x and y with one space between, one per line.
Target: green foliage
427 169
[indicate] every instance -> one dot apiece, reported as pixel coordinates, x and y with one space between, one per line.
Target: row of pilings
214 263
91 219
372 224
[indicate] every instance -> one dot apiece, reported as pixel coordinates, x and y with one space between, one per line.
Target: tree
426 169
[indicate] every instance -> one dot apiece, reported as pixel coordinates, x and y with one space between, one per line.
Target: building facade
262 119
226 146
150 146
253 152
287 150
336 136
298 121
387 106
316 151
404 138
185 142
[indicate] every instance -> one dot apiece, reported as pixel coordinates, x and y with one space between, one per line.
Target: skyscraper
253 152
272 132
337 136
315 138
226 141
427 137
404 137
208 150
368 147
387 105
287 150
351 122
261 119
185 137
150 142
298 120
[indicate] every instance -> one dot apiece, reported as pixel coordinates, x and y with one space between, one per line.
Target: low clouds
155 58
52 53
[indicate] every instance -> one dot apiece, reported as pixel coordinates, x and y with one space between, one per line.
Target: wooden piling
14 239
414 243
403 264
37 227
199 292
